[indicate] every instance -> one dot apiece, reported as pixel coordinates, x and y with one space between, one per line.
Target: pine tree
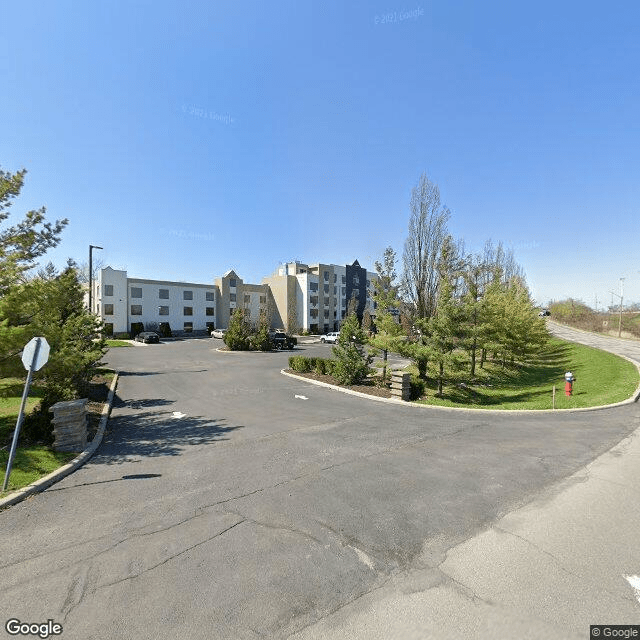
239 332
351 360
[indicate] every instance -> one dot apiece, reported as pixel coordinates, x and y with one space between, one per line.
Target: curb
406 403
70 467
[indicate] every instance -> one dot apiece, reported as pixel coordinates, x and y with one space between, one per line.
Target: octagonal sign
41 354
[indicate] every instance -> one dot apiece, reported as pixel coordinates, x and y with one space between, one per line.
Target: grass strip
601 378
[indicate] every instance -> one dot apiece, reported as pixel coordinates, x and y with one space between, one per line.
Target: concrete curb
70 467
404 403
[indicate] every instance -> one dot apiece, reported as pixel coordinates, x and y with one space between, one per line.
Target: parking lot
228 497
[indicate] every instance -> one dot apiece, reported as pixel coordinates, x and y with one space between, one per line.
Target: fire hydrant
568 385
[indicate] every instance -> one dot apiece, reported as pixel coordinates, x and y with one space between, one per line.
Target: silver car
330 337
218 333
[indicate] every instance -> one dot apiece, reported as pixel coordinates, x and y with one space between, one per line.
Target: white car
330 337
218 333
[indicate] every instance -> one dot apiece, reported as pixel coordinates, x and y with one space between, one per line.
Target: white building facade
297 297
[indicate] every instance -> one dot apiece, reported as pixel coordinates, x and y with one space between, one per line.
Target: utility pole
621 294
91 248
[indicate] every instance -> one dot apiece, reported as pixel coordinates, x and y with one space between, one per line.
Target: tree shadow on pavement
152 434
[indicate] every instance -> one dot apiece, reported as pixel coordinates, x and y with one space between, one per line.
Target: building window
247 298
335 314
188 327
326 288
232 297
368 283
263 299
187 295
209 296
344 313
187 311
210 326
326 302
326 276
344 291
163 311
232 282
209 311
313 300
313 313
136 292
108 309
163 294
335 277
356 281
136 309
326 313
108 289
335 291
313 286
344 279
335 302
231 311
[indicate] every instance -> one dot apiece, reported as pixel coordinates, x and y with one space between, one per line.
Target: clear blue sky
525 114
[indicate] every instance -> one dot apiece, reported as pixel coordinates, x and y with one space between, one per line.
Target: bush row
303 364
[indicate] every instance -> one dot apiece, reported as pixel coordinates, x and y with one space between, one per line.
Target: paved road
621 346
229 501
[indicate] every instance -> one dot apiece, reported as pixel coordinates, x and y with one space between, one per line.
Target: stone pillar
401 385
70 425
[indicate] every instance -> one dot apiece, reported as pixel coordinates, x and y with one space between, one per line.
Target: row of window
247 298
163 294
136 310
356 279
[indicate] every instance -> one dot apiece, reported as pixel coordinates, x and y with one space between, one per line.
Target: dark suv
282 341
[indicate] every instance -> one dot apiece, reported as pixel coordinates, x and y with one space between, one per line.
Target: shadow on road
152 434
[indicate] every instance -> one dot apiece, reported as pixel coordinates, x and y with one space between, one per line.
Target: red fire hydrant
568 385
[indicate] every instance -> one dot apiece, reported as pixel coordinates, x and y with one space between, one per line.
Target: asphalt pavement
229 501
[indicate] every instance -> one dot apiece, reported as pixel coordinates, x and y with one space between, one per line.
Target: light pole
91 248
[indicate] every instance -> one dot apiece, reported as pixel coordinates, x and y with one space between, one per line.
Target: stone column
401 385
70 425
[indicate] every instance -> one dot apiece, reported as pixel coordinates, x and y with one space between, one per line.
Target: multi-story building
297 297
316 297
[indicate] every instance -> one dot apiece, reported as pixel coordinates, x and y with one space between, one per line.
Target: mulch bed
98 393
369 387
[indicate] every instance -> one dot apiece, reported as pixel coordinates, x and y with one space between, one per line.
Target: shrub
418 387
165 330
136 328
300 363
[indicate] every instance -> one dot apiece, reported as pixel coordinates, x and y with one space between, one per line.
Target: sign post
34 357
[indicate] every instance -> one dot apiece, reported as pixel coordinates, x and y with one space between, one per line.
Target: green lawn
31 464
32 461
601 378
118 343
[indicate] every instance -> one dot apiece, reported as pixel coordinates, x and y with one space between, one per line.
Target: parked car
218 333
331 337
282 341
544 312
148 337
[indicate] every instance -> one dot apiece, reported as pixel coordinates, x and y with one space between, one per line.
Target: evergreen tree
24 242
351 360
389 333
239 332
51 305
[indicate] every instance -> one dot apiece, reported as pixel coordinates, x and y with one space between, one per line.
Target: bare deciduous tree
422 249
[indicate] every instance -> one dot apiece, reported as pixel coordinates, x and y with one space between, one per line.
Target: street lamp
91 248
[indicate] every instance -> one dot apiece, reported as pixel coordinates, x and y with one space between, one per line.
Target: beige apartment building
297 297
